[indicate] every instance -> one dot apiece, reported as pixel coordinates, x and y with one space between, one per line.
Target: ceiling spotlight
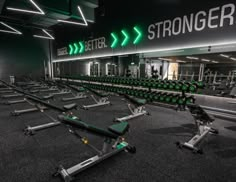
224 55
205 60
12 30
196 58
45 37
40 11
76 23
132 63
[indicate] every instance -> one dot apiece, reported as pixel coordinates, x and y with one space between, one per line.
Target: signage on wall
212 27
214 18
84 46
123 39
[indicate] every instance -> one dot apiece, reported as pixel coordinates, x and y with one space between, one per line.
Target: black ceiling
54 10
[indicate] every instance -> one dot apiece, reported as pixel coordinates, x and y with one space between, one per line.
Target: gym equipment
66 108
113 138
139 109
202 121
11 96
34 109
79 95
15 102
102 101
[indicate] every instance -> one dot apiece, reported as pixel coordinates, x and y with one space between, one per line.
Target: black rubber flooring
35 158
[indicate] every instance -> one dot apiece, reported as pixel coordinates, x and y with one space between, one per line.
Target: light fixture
132 63
14 31
214 61
180 61
165 59
224 55
232 58
190 57
40 11
45 37
76 23
141 51
205 60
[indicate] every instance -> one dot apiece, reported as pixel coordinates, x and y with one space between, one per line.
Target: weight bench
11 96
34 109
102 101
202 121
139 109
114 143
66 108
79 95
62 92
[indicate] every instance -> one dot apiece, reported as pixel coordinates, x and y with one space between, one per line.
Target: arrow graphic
115 40
139 35
71 49
126 39
82 48
76 48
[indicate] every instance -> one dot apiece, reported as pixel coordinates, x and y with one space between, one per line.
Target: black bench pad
199 114
75 122
70 106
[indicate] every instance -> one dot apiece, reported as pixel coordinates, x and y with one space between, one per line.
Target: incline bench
139 109
202 120
103 99
113 144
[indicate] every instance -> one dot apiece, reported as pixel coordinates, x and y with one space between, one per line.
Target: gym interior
101 91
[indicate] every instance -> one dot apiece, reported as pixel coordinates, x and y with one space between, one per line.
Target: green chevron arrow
71 49
115 40
139 35
82 47
126 38
76 48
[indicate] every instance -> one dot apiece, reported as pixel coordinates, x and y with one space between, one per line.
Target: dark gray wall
22 55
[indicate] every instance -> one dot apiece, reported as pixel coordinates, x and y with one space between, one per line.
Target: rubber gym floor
34 158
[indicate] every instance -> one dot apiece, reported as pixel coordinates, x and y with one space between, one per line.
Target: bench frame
203 130
118 146
100 102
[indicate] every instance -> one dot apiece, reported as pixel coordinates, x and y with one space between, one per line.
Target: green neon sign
139 35
115 40
82 47
71 49
126 38
76 48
